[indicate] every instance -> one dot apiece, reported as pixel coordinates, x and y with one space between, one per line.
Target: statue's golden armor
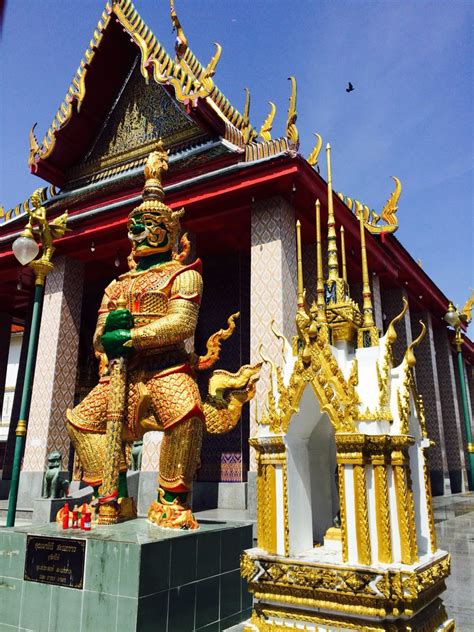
164 303
148 381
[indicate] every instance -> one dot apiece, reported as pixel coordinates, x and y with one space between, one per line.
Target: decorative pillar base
319 590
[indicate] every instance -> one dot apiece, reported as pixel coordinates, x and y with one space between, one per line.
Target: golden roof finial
465 314
266 128
181 43
210 69
291 129
34 147
313 157
391 205
246 127
333 265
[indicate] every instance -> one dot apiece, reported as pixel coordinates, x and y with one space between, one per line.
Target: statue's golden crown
153 193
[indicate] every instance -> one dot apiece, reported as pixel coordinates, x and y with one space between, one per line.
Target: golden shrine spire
300 290
321 315
343 254
333 265
367 335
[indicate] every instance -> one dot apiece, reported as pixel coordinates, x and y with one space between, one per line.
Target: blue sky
411 114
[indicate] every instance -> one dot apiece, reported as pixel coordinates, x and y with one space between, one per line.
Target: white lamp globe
451 316
25 249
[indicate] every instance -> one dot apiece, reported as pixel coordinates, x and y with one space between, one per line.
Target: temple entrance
314 498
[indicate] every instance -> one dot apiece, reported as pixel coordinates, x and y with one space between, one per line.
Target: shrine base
317 592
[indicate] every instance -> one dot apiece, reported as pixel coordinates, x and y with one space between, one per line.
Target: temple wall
226 291
427 381
450 411
272 285
392 302
55 376
10 447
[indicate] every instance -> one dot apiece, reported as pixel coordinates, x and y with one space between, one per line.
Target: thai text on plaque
58 561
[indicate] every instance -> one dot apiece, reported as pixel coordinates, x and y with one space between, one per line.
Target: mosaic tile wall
273 286
392 305
470 389
450 408
55 377
226 291
428 385
377 302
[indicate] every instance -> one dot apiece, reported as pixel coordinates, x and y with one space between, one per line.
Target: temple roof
120 43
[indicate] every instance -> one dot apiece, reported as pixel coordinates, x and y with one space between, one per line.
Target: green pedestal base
136 577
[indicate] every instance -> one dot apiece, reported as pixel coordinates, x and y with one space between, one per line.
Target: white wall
10 382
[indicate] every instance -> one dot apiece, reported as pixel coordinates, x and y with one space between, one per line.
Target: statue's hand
118 319
114 343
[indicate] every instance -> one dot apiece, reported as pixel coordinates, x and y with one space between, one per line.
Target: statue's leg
86 427
179 459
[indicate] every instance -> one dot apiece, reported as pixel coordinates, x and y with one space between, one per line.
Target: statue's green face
148 234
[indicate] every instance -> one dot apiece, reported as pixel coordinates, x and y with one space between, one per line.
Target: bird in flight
350 87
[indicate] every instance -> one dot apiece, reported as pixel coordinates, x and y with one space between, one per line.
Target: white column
272 286
55 373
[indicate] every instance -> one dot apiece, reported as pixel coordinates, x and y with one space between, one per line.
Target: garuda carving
148 379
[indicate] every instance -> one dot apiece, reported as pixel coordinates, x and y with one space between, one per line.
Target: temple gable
141 113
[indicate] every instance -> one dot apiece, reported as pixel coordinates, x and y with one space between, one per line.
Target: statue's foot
171 514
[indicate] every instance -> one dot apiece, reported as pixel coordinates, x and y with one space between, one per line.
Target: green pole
467 423
25 400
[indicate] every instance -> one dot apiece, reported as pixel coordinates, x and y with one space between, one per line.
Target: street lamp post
25 249
456 319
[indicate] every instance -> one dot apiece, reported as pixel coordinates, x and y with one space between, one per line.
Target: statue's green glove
118 319
114 343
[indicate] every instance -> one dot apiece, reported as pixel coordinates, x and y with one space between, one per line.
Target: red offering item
75 514
87 521
65 516
82 510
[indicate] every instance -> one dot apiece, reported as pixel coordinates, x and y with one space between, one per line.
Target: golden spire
319 267
333 266
300 265
343 254
366 292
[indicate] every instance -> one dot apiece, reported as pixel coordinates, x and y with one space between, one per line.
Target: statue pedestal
135 576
